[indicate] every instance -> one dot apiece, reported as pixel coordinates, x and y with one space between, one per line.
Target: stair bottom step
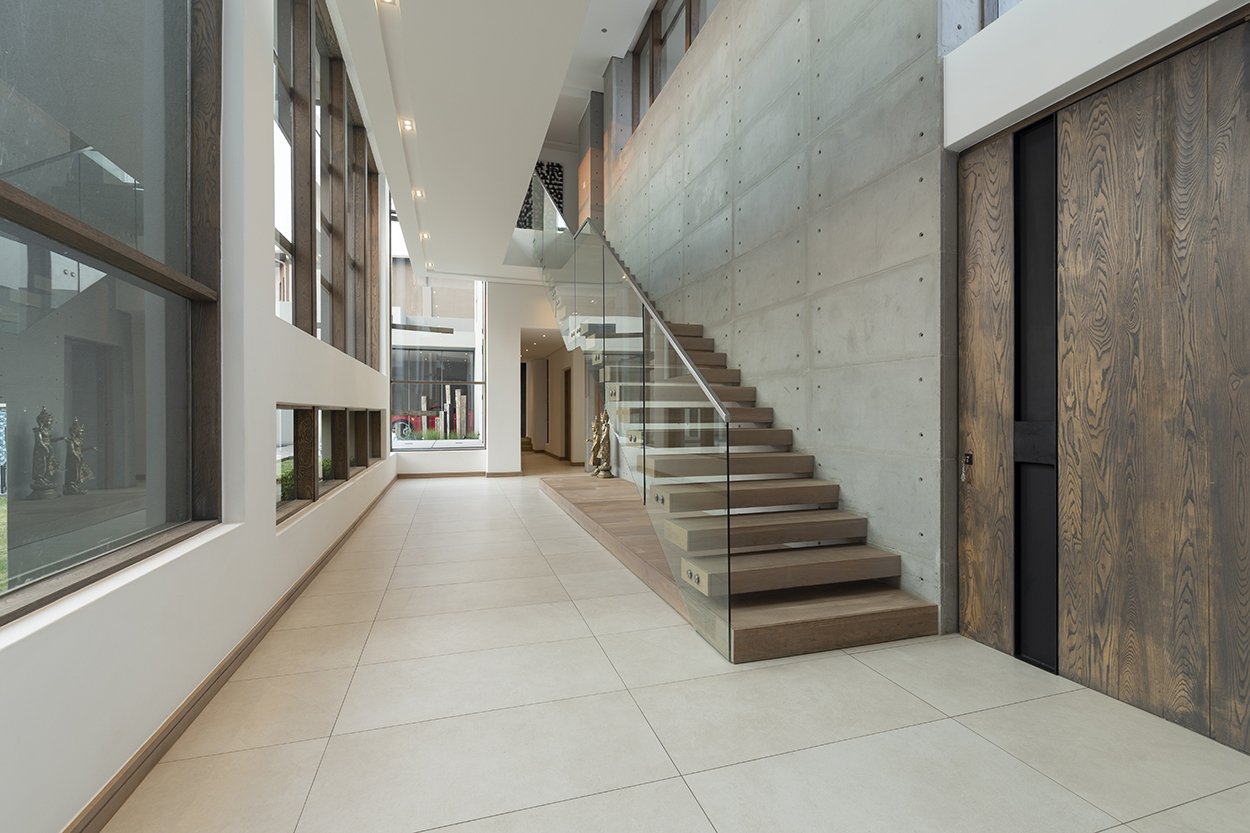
787 623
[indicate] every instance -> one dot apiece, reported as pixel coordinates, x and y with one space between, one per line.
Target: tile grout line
1185 803
339 713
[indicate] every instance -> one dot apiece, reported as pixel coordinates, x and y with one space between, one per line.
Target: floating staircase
764 561
799 575
527 444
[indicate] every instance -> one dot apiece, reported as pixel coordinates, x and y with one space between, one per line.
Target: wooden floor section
611 511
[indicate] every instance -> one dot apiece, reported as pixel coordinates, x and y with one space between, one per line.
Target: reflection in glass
674 47
102 355
644 79
284 487
93 115
283 272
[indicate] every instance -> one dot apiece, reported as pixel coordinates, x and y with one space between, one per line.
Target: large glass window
93 115
285 486
324 127
438 357
283 157
95 386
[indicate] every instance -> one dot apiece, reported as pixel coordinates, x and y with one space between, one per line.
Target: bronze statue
604 437
596 438
76 470
44 463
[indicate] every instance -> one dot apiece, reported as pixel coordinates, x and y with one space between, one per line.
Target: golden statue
76 470
604 442
44 463
596 439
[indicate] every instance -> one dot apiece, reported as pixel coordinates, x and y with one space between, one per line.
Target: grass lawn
4 544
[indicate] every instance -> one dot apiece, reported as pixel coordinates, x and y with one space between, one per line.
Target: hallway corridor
473 661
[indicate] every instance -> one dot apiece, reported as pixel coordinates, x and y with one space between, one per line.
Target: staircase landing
765 625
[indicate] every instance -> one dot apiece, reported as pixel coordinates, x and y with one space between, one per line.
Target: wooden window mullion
338 202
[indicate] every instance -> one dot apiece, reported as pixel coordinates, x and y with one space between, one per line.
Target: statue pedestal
43 493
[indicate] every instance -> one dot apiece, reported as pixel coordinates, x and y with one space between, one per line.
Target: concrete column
590 136
618 111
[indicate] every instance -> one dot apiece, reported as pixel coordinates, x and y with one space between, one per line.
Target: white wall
85 681
509 307
1046 50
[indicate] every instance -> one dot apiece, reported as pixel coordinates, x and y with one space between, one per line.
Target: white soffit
479 81
1043 51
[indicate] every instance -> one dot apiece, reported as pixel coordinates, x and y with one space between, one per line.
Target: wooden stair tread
794 567
739 462
678 437
690 343
746 494
688 330
780 607
760 520
703 358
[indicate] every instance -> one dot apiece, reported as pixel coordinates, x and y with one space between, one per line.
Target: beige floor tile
410 691
900 643
380 526
482 595
348 581
957 676
336 609
468 552
559 530
617 614
774 710
431 513
665 806
1226 812
257 791
579 545
385 542
587 562
1123 760
247 714
937 778
668 655
461 572
424 775
422 540
303 650
444 526
473 630
596 585
362 560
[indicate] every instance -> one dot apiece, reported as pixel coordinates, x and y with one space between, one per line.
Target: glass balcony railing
670 432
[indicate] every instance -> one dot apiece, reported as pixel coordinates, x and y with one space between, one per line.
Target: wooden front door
984 451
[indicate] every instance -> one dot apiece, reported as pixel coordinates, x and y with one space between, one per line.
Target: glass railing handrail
590 227
695 373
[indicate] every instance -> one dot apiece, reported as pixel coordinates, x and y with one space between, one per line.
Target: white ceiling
539 344
482 81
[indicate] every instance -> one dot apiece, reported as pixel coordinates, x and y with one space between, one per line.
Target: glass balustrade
669 430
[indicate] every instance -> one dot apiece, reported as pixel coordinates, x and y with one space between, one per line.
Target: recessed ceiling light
425 235
407 124
417 192
389 2
429 264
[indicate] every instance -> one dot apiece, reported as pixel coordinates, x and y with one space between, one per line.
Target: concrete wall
1051 49
787 190
86 681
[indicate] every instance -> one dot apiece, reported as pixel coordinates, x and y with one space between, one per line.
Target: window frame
199 284
651 34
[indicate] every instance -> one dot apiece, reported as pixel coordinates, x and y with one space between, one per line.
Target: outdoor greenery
327 469
4 544
286 479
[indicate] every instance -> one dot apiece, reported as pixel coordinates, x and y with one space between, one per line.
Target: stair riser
779 536
664 392
794 639
689 344
731 464
741 496
779 438
681 416
712 579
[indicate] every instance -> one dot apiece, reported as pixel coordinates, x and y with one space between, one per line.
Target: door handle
963 468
